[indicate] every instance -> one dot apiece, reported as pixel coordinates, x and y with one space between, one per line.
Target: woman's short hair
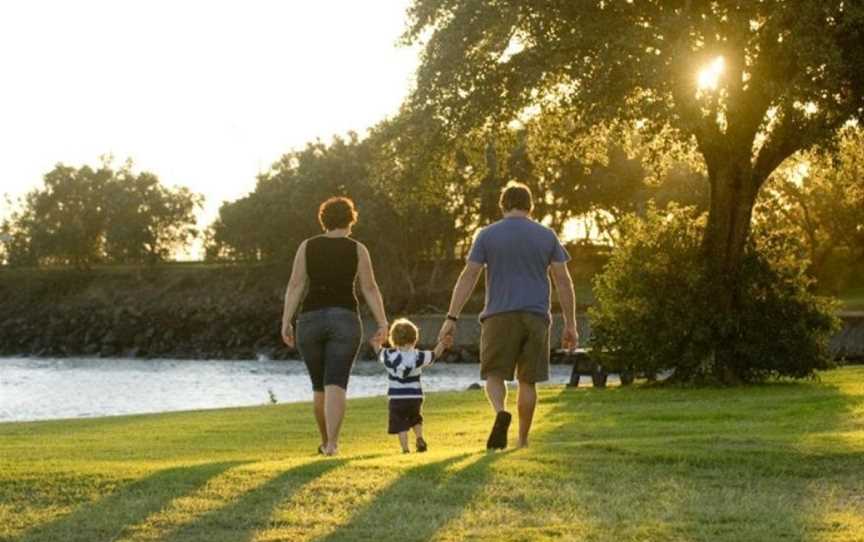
403 333
516 196
337 213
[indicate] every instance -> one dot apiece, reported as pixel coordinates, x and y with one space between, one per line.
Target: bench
584 365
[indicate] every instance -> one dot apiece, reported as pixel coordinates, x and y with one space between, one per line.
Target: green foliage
64 221
791 79
145 220
819 198
14 244
607 191
83 216
608 61
403 228
655 309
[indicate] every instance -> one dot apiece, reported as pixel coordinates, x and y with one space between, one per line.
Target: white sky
204 94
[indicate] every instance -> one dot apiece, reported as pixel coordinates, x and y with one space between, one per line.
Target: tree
653 314
750 82
65 220
83 216
146 222
14 244
819 198
280 212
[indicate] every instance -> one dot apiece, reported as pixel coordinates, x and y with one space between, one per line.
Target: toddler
404 363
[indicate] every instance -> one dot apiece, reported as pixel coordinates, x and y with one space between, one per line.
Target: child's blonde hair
403 332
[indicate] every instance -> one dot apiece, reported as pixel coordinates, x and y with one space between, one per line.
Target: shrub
654 308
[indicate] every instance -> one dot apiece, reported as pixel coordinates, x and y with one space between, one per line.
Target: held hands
288 334
445 337
448 329
570 337
443 345
380 337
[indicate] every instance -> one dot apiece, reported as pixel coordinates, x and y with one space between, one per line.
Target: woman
329 330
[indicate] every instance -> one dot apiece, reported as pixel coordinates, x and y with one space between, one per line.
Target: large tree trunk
733 195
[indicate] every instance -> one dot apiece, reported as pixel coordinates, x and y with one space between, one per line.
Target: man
517 253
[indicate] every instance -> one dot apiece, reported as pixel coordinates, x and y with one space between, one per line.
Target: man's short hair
516 196
337 213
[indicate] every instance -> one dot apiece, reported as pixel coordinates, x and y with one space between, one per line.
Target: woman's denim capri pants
328 340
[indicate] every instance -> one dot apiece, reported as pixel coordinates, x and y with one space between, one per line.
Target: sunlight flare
709 76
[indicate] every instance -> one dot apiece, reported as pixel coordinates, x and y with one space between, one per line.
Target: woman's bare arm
371 293
296 288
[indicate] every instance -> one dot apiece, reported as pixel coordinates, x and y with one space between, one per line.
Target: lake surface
44 389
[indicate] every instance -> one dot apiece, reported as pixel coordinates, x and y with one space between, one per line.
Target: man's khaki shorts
515 342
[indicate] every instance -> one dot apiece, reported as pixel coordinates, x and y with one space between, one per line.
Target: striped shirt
403 371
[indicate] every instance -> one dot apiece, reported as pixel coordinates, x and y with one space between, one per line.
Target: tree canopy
787 76
819 198
82 216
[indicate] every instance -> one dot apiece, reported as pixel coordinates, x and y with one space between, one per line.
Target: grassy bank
781 461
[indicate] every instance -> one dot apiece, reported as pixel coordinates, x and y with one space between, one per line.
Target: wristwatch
452 318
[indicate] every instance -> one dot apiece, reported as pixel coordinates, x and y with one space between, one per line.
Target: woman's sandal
321 449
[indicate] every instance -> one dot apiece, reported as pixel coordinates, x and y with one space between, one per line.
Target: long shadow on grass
107 518
420 502
251 512
720 464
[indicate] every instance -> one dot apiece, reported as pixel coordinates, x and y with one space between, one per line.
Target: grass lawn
776 462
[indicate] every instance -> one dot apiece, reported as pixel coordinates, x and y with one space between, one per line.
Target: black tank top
331 264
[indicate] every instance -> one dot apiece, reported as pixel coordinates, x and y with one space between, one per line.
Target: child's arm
440 348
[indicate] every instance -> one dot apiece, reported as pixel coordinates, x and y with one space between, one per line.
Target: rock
107 351
451 357
467 356
132 353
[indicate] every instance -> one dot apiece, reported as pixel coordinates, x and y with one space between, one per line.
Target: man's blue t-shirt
517 253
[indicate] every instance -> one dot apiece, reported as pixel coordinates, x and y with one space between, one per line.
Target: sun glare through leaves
709 77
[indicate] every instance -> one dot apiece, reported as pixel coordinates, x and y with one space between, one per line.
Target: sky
203 94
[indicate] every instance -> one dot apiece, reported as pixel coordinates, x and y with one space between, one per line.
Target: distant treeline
421 201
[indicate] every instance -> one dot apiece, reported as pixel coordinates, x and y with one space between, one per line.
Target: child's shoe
421 445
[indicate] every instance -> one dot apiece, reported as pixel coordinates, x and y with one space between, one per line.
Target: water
44 389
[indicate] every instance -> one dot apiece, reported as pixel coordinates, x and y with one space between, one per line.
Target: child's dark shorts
404 414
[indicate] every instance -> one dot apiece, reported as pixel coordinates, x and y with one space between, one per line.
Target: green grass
776 462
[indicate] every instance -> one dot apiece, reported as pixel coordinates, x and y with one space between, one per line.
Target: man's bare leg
403 441
526 399
496 392
318 408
